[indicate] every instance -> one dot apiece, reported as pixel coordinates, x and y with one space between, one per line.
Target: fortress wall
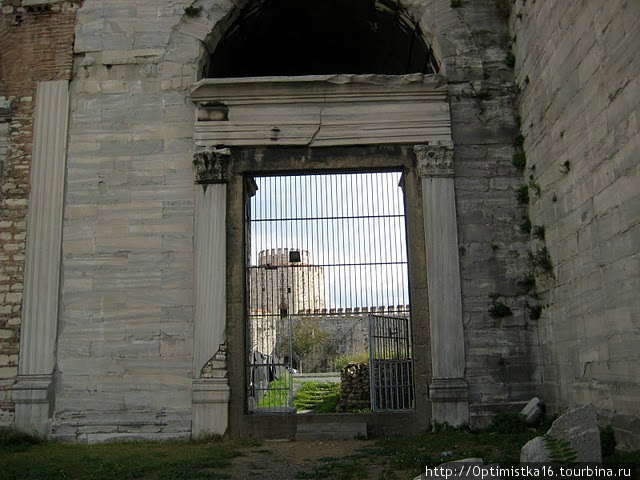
577 65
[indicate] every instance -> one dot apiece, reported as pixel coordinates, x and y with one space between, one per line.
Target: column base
449 401
33 398
210 407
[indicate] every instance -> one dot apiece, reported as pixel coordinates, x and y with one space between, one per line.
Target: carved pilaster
449 392
435 160
211 165
211 397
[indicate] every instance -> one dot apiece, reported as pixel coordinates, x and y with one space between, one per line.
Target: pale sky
340 219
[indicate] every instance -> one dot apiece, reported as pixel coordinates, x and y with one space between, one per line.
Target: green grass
278 393
319 397
388 458
405 457
346 468
12 440
122 461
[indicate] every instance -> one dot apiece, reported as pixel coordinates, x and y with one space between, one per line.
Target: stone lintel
321 110
435 160
210 165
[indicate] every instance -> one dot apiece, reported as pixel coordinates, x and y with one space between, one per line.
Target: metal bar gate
326 250
270 380
391 365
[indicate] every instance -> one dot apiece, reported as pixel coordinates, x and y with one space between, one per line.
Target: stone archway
321 37
195 38
211 394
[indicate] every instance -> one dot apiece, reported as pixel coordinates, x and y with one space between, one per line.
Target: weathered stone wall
125 341
125 345
37 45
346 335
577 66
502 365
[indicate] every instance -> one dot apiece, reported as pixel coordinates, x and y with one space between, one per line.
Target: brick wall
37 45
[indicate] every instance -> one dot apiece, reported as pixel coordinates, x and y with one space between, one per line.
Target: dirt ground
284 459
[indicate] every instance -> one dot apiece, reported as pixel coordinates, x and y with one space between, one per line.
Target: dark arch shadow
313 37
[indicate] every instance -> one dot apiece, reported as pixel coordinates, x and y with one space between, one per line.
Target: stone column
33 393
210 384
448 390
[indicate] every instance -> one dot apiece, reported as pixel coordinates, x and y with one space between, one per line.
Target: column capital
210 165
435 160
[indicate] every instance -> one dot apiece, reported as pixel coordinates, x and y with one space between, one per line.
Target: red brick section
37 45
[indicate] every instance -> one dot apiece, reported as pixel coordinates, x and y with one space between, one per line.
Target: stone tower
285 281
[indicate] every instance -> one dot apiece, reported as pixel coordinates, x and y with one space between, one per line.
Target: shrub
506 422
538 232
510 59
607 442
542 260
12 439
519 159
340 361
522 194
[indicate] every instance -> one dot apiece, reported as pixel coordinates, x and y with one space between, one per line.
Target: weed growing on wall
542 260
498 309
538 232
522 194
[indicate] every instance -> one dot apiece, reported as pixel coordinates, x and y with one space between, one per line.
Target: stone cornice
321 110
210 165
435 160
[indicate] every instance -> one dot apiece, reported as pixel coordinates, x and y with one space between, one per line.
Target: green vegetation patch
278 393
12 440
121 461
343 360
319 397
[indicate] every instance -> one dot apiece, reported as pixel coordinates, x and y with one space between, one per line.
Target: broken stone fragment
578 427
534 451
533 411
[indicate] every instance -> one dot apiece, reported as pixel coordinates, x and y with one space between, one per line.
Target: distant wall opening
330 251
312 37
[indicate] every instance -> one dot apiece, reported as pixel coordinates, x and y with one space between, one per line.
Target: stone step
331 431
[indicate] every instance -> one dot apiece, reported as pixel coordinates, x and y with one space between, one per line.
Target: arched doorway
282 96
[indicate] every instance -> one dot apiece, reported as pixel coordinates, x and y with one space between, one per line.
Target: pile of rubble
354 386
576 432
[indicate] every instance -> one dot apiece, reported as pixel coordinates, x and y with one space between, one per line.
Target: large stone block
578 427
